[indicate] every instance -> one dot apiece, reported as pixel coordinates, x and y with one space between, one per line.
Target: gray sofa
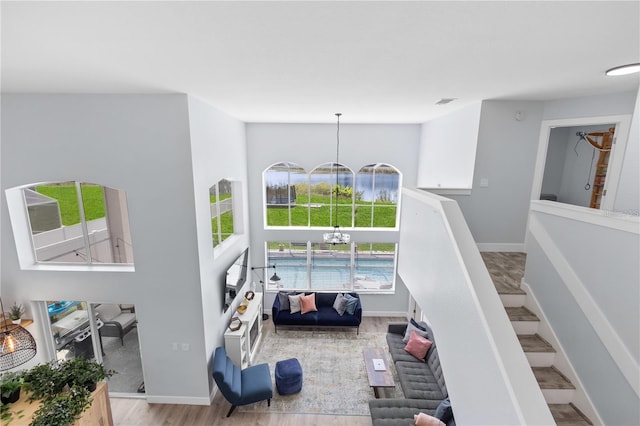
422 383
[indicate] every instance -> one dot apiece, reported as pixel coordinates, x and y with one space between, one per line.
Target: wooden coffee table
378 378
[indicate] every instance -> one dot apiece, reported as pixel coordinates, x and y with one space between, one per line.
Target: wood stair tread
534 343
504 288
521 313
551 378
568 415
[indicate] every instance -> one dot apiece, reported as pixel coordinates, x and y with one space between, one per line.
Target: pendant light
336 236
17 345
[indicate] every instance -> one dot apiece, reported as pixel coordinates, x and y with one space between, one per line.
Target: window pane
330 267
374 266
377 190
290 260
55 223
286 195
323 196
221 207
59 234
69 325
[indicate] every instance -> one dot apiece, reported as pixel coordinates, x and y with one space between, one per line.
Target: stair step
556 388
534 343
538 351
520 313
504 288
523 320
568 415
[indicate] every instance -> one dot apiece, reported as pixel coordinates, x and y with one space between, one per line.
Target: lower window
361 267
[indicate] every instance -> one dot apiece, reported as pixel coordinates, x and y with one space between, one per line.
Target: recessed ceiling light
445 101
623 70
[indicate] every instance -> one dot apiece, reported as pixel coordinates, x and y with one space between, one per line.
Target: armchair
116 322
241 387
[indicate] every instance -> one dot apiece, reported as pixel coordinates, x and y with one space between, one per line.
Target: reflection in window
286 195
221 200
73 222
332 204
358 267
377 191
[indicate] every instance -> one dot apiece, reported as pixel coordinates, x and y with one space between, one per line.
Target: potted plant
85 372
15 313
10 385
62 409
44 381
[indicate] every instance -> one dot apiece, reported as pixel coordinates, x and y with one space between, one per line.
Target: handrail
488 376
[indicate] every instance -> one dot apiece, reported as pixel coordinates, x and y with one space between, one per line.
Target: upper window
221 199
74 222
330 195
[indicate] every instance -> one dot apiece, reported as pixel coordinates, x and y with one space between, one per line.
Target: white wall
582 268
506 154
219 151
628 195
554 164
312 144
447 153
139 144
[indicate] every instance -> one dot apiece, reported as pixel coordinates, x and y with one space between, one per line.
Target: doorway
107 333
579 160
576 164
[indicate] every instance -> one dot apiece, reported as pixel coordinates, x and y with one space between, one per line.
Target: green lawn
92 196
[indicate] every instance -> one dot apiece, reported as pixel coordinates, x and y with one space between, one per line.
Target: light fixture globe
17 346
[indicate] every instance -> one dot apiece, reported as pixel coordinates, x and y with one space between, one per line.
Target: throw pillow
418 346
308 303
294 303
444 411
283 296
418 328
340 304
422 419
421 325
352 302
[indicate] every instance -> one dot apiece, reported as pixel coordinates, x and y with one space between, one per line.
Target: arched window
75 222
376 196
286 187
331 195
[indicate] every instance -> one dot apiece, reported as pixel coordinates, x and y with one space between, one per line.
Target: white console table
241 344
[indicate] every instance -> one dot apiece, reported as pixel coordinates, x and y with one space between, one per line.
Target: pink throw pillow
423 419
308 303
417 345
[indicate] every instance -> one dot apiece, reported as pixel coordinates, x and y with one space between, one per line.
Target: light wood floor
137 412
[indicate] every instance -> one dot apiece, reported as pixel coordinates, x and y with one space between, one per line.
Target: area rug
334 375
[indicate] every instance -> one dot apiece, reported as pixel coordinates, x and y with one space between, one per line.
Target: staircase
506 270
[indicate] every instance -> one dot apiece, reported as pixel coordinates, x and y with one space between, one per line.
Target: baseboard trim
384 314
180 400
503 247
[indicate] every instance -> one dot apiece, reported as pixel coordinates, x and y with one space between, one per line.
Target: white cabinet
241 344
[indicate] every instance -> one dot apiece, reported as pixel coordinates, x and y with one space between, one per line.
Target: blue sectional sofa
325 316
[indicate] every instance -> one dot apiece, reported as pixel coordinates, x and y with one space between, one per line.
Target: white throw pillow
294 303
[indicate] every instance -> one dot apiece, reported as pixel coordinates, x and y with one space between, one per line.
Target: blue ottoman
288 376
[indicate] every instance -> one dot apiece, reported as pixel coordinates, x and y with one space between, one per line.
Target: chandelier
336 236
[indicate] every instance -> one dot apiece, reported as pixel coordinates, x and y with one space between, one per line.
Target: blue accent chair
241 387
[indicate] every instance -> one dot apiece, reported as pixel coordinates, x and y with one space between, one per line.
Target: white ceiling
385 62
